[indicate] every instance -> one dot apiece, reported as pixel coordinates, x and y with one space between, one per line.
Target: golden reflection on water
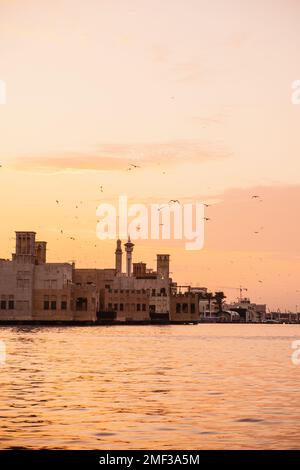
147 387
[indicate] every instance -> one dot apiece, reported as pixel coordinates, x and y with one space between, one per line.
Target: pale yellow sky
198 93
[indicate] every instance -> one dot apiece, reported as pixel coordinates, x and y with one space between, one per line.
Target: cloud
117 157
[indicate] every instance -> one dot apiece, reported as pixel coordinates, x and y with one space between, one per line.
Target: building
29 285
34 290
248 311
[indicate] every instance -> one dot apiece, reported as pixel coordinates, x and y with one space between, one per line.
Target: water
146 387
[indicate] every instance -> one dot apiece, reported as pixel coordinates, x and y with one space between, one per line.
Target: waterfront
147 387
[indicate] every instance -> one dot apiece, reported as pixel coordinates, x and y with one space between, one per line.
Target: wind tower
163 266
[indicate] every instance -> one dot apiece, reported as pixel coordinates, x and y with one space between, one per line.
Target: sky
196 93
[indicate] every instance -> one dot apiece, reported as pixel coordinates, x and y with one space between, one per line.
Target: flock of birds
171 202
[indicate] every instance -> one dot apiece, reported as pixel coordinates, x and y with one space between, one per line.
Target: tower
118 254
129 249
163 266
40 252
25 247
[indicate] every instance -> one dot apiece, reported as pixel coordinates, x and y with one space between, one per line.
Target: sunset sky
195 92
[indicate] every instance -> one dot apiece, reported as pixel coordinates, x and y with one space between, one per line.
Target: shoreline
124 323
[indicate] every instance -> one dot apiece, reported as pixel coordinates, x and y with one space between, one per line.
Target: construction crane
240 289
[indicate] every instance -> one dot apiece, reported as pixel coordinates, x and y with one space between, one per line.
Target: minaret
118 254
129 249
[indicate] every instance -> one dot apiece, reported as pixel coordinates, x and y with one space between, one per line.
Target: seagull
255 196
134 166
174 201
206 218
206 205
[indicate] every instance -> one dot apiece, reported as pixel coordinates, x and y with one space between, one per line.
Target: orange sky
197 93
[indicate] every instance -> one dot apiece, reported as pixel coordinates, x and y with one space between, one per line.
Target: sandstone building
31 289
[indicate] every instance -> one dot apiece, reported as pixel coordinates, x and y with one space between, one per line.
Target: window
185 308
81 304
138 307
11 303
3 304
46 302
121 307
53 302
144 307
193 308
22 283
153 292
63 304
115 306
178 308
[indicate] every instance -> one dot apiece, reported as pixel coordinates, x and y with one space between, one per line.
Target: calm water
186 387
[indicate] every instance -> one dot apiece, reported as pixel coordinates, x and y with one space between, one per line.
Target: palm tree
209 297
219 297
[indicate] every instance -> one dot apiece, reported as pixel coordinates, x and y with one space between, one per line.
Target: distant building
248 311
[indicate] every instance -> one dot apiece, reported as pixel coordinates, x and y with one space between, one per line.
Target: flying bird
134 166
255 196
174 201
